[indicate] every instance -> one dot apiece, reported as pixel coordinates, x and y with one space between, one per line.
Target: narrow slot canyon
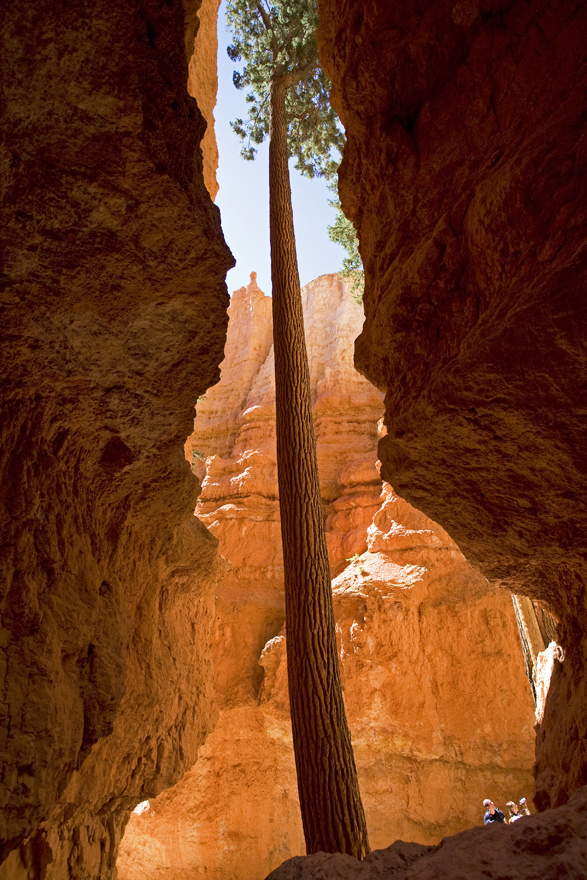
145 718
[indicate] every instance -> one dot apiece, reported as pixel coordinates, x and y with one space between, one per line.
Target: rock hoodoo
113 321
464 173
418 629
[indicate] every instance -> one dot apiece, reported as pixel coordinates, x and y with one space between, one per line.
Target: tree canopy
277 41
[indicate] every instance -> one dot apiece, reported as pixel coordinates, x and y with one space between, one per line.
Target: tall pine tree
288 102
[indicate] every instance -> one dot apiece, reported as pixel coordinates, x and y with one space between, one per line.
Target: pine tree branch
266 19
293 77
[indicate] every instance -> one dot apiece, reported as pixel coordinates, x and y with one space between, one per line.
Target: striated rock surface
113 318
439 706
549 845
464 173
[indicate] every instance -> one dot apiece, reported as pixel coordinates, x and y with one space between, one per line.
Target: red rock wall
113 321
465 173
439 706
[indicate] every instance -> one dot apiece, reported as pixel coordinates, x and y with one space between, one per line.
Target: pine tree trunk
332 812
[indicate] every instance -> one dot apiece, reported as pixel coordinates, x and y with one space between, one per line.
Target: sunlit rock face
439 706
435 686
464 173
113 321
202 51
235 430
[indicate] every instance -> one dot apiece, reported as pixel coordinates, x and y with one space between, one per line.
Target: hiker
514 811
493 814
524 811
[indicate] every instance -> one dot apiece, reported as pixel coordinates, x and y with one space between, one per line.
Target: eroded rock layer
440 710
464 173
113 320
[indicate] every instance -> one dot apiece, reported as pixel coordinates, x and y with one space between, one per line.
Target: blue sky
243 197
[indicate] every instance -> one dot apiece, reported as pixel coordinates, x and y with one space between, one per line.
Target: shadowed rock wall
113 321
465 175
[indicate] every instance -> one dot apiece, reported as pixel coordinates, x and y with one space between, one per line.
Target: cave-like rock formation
113 320
418 630
465 174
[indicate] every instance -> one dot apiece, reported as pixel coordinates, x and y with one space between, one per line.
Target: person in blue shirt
493 814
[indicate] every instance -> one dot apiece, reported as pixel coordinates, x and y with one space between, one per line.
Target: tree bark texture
332 812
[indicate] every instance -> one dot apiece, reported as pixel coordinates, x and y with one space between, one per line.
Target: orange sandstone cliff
437 698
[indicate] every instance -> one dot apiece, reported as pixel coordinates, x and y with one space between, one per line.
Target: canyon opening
142 648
